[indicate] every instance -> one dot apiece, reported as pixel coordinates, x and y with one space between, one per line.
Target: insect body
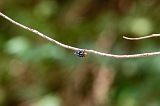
81 53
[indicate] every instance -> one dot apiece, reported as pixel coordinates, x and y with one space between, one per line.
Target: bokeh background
36 72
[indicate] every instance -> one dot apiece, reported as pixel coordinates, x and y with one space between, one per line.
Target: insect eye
85 54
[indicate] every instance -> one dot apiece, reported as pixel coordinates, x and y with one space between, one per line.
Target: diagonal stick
78 49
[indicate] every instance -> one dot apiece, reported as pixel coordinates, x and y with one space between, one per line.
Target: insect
81 53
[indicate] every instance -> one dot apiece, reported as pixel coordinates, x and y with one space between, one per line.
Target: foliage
35 72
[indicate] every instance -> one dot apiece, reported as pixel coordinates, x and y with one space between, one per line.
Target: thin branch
78 49
140 38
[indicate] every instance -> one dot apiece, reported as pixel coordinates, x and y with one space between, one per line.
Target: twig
78 49
140 38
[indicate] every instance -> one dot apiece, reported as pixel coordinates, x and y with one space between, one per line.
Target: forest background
36 72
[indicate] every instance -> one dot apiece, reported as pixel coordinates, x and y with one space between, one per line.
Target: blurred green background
36 72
